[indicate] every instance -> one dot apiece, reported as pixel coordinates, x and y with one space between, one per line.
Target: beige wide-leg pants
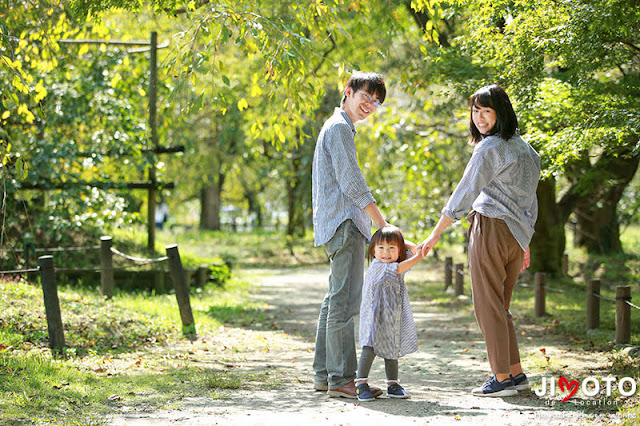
495 260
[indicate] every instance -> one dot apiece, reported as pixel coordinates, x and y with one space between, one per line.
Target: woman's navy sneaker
364 393
397 391
521 382
493 387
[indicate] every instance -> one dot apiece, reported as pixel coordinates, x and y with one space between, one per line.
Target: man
343 208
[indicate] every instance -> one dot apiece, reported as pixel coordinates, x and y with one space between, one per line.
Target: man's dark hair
496 98
370 82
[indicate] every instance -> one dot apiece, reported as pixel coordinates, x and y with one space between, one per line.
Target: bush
219 273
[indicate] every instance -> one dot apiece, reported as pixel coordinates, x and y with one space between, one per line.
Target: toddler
387 328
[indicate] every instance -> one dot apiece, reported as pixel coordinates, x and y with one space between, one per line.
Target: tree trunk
210 204
254 205
598 229
548 244
295 226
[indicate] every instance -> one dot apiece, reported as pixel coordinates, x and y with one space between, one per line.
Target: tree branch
326 54
185 10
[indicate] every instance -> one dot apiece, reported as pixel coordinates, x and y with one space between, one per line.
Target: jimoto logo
591 386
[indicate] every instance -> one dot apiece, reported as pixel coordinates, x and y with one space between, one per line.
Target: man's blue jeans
335 360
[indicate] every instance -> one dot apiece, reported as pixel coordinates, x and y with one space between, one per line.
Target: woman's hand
432 239
527 260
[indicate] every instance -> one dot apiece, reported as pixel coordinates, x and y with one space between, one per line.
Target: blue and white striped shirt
500 182
386 320
339 190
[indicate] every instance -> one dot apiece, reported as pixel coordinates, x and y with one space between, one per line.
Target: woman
499 185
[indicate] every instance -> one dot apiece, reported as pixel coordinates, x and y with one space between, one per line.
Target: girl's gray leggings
366 359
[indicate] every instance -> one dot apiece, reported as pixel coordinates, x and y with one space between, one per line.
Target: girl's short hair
496 98
370 82
388 234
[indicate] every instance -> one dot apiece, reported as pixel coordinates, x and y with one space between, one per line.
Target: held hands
428 244
417 254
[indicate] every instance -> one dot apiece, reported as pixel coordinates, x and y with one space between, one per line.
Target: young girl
386 322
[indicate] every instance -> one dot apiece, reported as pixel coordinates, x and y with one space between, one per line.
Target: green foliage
244 85
219 274
570 67
84 136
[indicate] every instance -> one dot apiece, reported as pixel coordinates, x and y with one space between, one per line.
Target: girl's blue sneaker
397 391
364 393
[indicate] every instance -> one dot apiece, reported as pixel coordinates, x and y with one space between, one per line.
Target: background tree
246 87
573 68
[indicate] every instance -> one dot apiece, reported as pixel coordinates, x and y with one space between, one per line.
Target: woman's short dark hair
496 98
371 82
388 234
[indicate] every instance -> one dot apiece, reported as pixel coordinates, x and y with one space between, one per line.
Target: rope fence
19 271
49 250
593 297
632 305
139 259
48 271
30 251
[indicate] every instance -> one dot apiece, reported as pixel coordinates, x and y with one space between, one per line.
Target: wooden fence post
202 275
459 279
540 279
448 272
182 290
623 315
565 264
29 250
106 267
593 304
51 303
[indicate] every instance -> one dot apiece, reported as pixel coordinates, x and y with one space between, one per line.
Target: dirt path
450 361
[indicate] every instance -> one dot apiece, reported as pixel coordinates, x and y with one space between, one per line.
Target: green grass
255 249
130 350
124 348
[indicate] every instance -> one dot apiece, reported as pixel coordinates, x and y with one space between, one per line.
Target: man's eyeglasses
369 99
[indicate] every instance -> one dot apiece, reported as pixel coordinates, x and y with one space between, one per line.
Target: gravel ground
450 361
